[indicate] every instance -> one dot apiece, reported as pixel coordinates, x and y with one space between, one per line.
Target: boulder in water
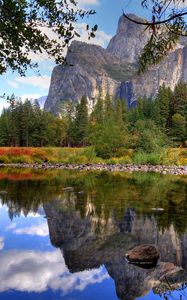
143 255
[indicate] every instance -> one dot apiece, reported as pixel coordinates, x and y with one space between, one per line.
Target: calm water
64 235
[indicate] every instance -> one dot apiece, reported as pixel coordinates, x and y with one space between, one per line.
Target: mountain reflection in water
93 219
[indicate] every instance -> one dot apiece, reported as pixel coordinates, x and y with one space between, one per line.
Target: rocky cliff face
86 73
171 70
91 70
129 40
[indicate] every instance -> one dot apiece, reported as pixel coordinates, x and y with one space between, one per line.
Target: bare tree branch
156 22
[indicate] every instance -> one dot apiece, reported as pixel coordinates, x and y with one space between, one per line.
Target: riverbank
162 169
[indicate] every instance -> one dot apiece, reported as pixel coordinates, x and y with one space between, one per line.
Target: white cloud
50 68
3 104
42 82
101 39
3 206
11 226
40 230
30 96
40 57
33 271
180 4
37 57
88 2
33 215
12 84
1 242
177 5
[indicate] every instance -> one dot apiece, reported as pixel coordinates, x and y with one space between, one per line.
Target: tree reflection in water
101 216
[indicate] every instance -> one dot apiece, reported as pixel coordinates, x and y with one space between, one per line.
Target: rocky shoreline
175 170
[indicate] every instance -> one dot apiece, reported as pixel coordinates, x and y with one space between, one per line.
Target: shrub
150 138
147 158
90 153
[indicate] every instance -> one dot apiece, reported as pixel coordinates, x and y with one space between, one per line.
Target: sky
106 17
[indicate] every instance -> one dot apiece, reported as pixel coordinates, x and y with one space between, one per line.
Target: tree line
25 124
110 128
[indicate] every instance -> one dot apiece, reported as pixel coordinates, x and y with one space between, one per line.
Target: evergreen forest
110 128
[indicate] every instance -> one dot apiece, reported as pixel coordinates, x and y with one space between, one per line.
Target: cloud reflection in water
32 271
39 230
1 242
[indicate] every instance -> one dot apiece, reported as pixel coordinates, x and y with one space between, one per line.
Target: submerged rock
143 255
3 192
158 209
168 277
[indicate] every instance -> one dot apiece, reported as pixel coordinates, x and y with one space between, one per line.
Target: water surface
64 235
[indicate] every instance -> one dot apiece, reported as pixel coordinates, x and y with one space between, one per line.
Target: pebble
175 170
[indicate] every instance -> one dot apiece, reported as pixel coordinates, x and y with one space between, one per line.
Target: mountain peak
129 40
124 24
113 70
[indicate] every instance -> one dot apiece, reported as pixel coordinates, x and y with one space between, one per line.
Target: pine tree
24 124
97 115
80 126
179 99
107 129
163 107
67 112
4 128
108 107
178 128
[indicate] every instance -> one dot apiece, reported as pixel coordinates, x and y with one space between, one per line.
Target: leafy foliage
149 136
166 26
23 26
107 129
157 48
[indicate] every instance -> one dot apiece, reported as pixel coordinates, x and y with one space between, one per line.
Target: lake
64 235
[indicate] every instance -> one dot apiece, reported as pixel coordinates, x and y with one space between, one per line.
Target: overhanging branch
156 22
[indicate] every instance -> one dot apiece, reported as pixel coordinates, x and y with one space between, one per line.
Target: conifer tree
81 122
67 112
163 107
97 115
107 135
25 124
179 100
178 128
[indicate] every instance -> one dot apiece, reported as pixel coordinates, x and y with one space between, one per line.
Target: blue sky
108 13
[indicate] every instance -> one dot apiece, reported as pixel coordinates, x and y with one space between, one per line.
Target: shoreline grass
30 155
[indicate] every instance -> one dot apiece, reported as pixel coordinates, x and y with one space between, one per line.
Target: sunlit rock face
129 40
91 70
169 72
86 73
71 230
